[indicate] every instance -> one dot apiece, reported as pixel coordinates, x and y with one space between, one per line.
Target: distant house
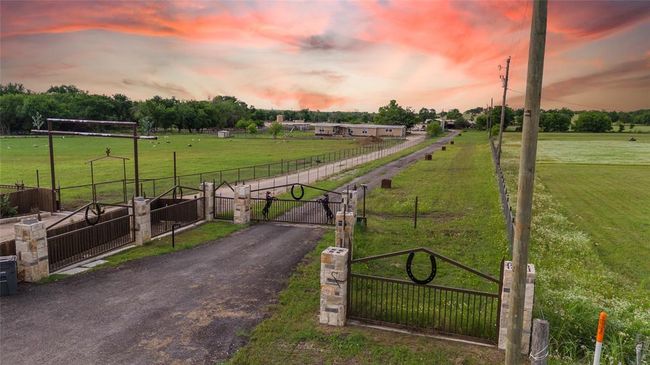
223 134
359 130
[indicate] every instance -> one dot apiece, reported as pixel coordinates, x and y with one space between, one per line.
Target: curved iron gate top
419 305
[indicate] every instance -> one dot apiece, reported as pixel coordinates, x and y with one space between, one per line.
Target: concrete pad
74 271
94 263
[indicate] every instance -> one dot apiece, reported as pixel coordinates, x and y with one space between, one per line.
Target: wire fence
121 190
505 198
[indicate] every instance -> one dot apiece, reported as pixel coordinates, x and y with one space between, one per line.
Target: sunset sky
328 55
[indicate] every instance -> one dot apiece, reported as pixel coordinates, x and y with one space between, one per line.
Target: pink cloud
303 98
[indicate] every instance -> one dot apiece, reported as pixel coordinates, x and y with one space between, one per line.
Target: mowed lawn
20 156
612 204
591 237
460 218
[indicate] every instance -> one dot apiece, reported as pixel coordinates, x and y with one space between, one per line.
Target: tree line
22 110
562 120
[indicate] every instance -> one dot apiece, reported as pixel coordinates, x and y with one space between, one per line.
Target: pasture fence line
504 196
120 190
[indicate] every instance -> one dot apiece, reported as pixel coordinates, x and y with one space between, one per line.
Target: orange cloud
304 99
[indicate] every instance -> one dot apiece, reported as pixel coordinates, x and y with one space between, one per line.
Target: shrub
6 210
593 122
243 123
554 122
275 129
251 128
434 129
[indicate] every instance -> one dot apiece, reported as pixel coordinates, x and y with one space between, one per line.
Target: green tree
496 116
243 123
642 118
12 88
64 89
393 113
554 122
275 129
481 122
454 114
424 114
434 129
593 121
252 128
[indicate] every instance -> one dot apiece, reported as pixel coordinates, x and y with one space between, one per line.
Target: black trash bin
8 276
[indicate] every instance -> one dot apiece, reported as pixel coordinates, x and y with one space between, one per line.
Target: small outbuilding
359 130
224 134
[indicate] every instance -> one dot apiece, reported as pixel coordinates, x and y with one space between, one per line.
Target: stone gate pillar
208 203
31 250
142 215
242 204
350 199
333 286
344 228
505 306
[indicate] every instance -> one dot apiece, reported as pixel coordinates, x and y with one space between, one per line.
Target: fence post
333 283
31 250
539 343
242 204
506 287
142 218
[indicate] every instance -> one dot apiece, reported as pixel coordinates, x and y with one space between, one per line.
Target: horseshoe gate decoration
321 210
418 303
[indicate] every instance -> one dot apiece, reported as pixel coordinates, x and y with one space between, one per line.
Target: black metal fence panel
176 212
295 211
425 308
70 247
224 207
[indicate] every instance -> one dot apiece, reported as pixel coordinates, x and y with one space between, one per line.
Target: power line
561 101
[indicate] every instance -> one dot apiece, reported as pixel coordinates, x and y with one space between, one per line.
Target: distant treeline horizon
22 109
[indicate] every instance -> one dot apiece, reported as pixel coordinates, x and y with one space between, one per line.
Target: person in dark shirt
326 206
269 200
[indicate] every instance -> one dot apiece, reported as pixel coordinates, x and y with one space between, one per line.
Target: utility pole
503 108
526 180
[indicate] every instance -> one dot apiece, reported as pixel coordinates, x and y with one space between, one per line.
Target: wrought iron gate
223 207
296 210
98 233
177 210
418 305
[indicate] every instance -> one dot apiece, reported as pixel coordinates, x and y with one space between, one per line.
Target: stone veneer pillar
333 286
343 232
208 204
142 215
242 204
528 306
31 250
350 199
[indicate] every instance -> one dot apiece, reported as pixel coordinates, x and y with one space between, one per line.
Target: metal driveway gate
99 232
418 305
176 211
296 210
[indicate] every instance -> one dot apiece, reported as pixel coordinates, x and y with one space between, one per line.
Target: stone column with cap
505 306
344 230
242 204
31 250
333 285
208 201
142 217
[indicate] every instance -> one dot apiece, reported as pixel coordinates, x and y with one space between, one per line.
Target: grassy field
20 157
591 237
459 217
